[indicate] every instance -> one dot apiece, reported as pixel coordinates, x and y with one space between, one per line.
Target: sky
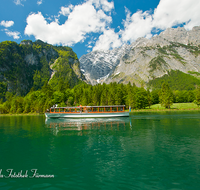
89 25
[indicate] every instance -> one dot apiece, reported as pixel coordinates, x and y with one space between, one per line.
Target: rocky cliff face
97 65
29 64
145 59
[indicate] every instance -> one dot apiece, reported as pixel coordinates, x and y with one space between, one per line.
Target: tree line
38 101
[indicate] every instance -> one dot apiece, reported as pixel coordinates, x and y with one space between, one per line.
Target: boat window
61 109
67 110
52 110
107 109
95 109
72 109
120 109
101 109
114 109
57 110
78 110
89 109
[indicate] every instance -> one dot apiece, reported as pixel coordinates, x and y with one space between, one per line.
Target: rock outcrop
145 59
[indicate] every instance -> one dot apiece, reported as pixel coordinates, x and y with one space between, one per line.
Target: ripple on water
2 184
42 185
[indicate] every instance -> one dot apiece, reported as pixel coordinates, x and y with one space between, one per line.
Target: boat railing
88 109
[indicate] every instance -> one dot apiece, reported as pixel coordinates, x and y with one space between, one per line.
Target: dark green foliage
63 67
184 96
197 97
149 98
41 76
163 50
3 89
27 65
66 52
190 96
14 72
156 63
166 96
155 96
141 98
177 80
146 48
84 94
64 72
193 73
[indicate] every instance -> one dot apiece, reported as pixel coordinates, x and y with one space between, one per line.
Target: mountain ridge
145 59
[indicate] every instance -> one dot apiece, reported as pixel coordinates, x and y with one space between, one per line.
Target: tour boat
87 111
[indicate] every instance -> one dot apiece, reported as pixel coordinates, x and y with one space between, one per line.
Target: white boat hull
86 115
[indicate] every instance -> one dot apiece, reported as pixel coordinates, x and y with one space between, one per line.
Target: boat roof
90 106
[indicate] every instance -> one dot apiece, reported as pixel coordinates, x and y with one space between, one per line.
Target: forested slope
177 80
32 64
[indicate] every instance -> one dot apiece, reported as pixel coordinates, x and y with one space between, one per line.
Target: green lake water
145 151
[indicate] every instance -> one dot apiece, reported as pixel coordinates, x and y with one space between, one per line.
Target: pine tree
149 99
104 100
197 98
166 96
141 98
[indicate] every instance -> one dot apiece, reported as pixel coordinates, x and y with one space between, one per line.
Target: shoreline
132 111
165 110
22 114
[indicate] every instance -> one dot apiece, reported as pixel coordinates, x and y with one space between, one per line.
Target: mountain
145 59
32 64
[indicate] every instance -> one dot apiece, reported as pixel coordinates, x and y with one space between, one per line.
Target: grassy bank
174 107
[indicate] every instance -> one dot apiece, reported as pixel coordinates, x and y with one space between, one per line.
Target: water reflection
62 124
160 151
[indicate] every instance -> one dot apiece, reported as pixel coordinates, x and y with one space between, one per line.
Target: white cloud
94 16
169 13
107 6
66 10
108 40
7 23
18 2
39 2
172 12
103 4
82 20
137 25
15 35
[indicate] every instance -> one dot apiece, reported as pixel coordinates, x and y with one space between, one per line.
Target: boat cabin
88 109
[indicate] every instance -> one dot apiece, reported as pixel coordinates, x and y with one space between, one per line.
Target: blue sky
89 25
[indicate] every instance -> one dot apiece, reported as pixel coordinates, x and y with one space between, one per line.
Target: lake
145 151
